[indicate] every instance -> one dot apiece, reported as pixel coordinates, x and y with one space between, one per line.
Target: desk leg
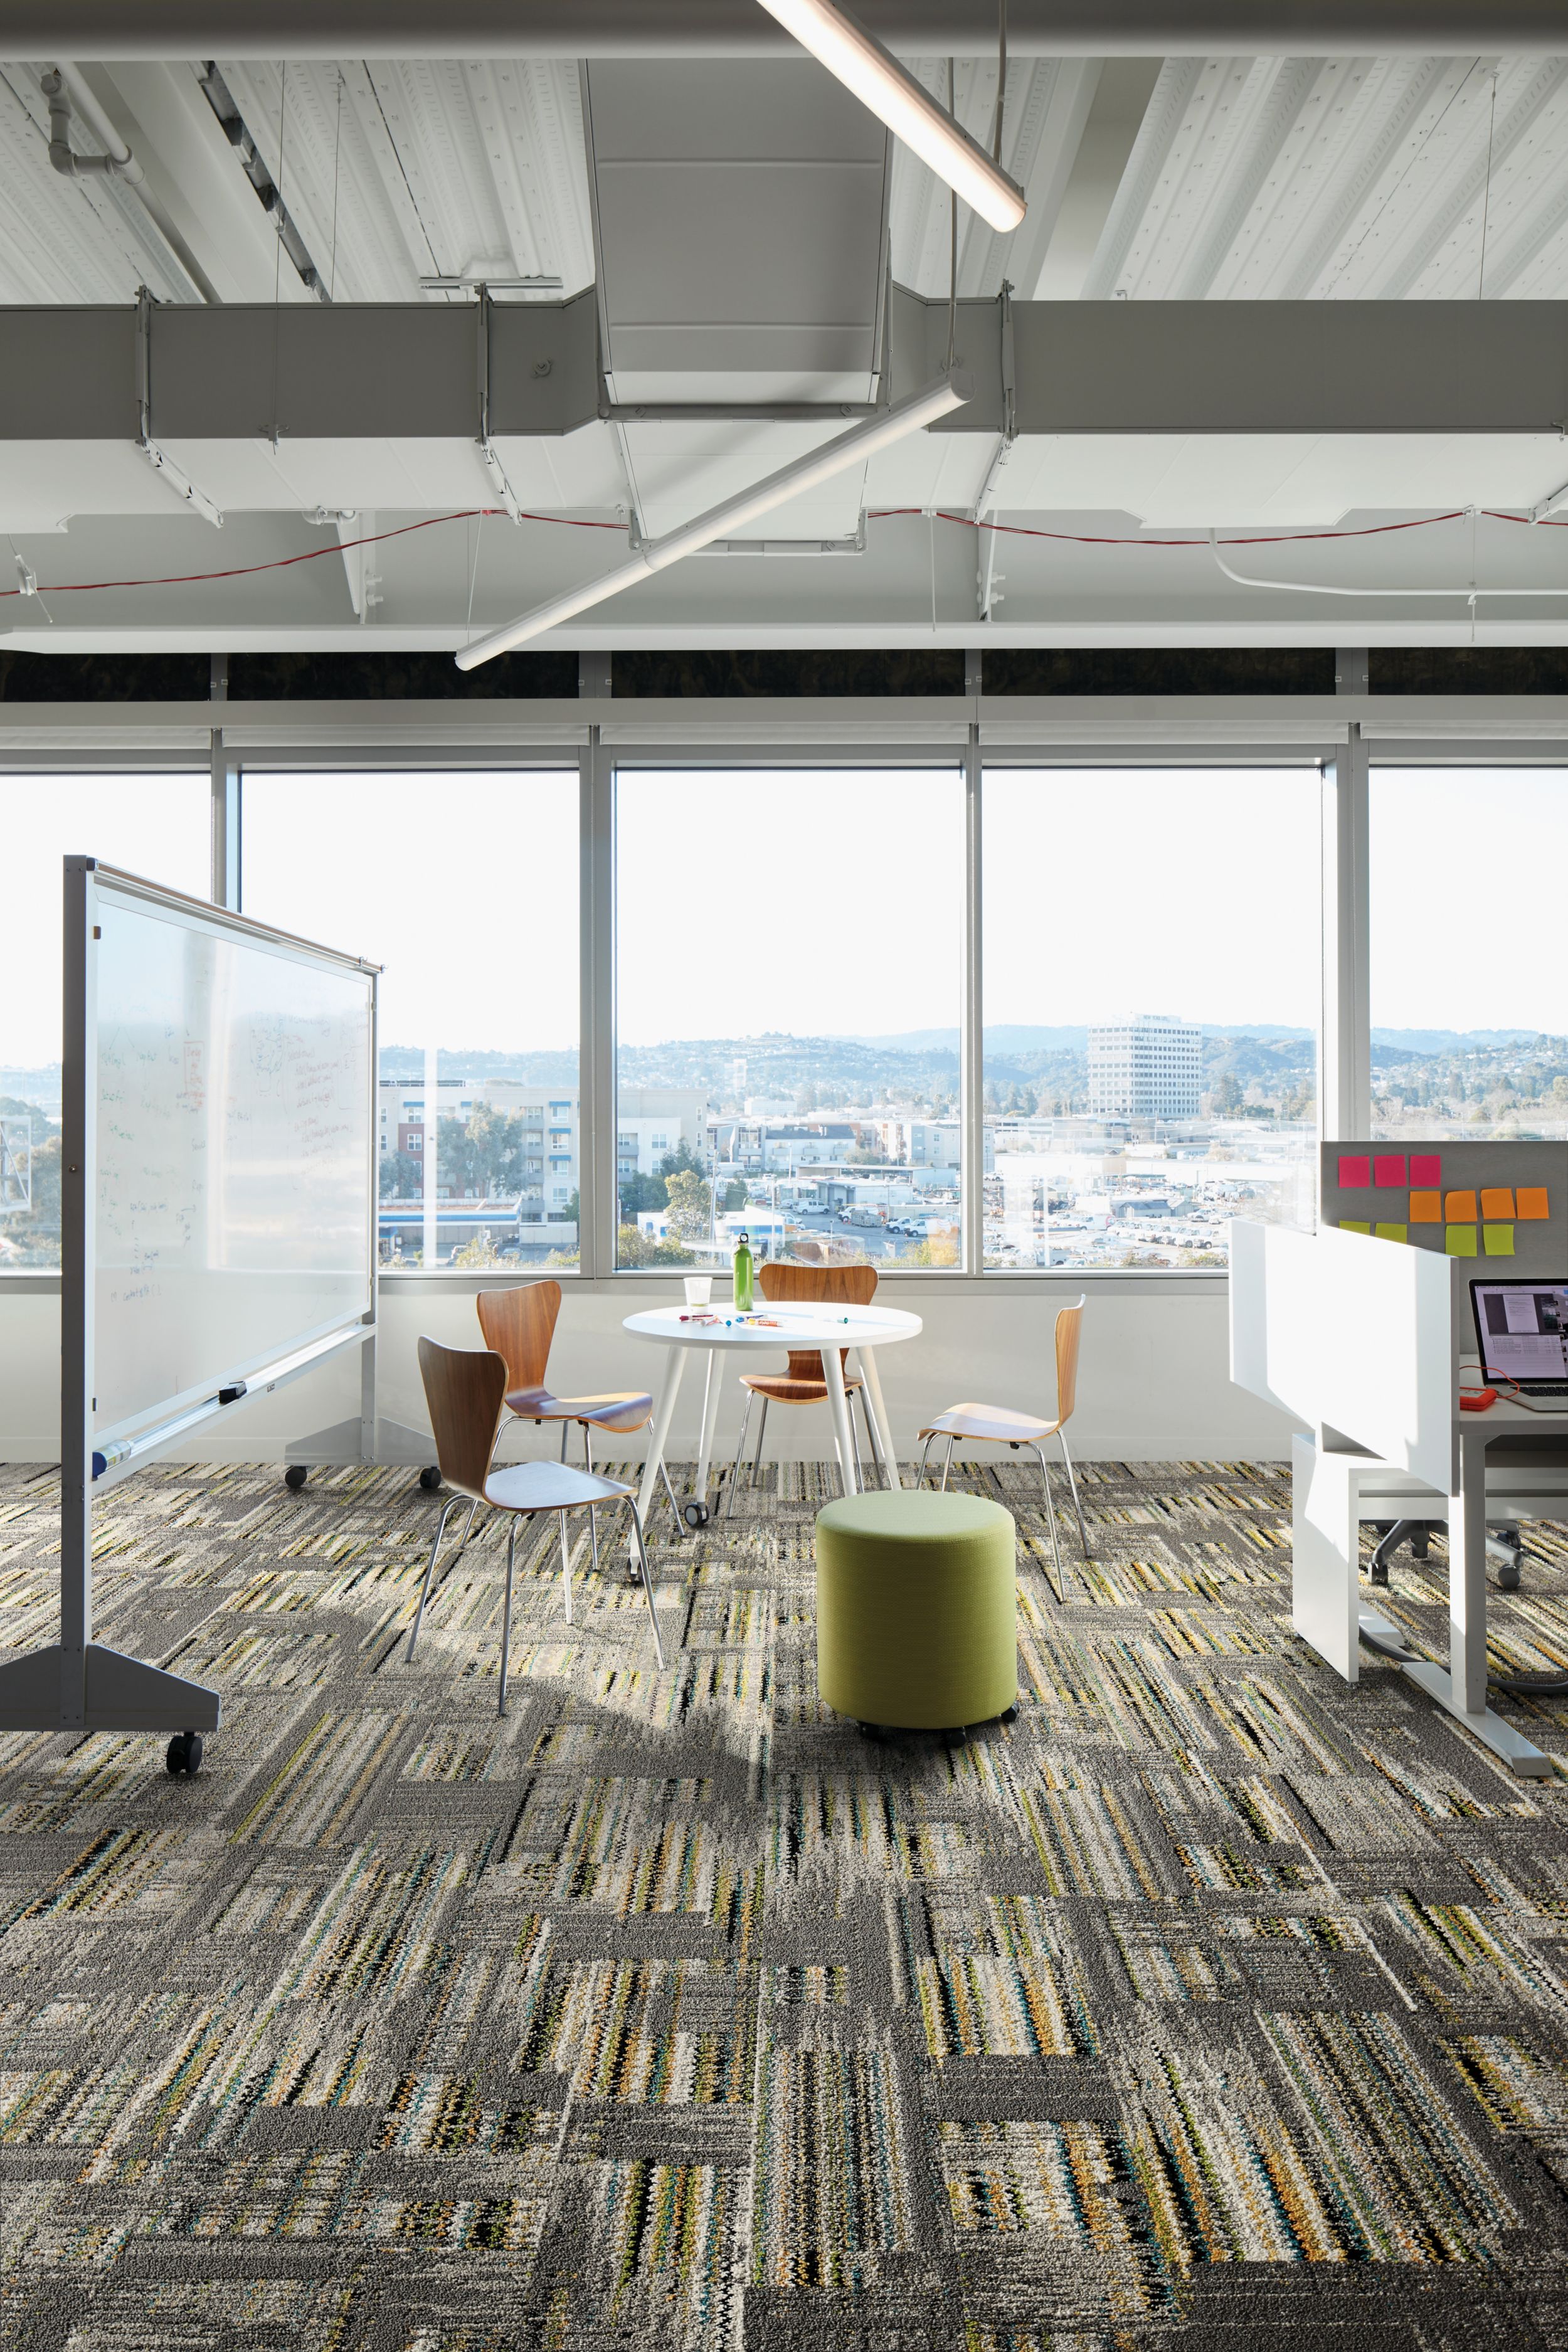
659 1436
710 1419
832 1374
865 1359
1463 1689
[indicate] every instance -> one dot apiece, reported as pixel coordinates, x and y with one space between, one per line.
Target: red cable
878 514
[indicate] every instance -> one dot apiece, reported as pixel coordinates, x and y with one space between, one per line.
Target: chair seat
779 1388
549 1486
622 1410
993 1422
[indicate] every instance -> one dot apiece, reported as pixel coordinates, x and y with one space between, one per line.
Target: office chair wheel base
696 1515
183 1756
431 1481
295 1475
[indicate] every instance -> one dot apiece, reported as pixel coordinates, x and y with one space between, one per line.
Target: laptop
1523 1328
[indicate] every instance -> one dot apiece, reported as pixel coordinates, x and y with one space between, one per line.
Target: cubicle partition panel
1498 1208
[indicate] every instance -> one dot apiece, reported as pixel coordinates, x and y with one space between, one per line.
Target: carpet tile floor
1211 1998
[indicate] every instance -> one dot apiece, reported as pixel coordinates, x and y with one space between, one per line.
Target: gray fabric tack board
1540 1244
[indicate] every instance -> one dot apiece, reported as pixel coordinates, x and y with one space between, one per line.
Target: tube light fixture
863 440
879 80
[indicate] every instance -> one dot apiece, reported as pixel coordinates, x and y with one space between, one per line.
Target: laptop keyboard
1543 1388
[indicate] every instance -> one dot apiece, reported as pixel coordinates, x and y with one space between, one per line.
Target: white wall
1153 1382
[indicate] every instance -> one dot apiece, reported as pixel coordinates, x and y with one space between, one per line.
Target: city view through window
789 996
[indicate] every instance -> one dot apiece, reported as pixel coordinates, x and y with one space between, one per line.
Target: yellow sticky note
1353 1225
1460 1241
1532 1201
1425 1207
1497 1200
1460 1208
1498 1240
1392 1233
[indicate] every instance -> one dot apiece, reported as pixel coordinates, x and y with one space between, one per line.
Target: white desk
1359 1339
825 1328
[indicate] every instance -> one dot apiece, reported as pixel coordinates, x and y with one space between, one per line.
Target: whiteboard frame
76 1684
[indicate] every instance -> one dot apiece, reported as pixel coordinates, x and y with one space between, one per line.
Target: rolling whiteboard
230 1097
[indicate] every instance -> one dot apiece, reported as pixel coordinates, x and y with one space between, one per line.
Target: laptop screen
1523 1328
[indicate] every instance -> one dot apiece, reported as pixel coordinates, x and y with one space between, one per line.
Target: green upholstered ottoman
917 1610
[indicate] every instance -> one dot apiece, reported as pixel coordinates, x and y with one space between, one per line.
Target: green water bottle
745 1277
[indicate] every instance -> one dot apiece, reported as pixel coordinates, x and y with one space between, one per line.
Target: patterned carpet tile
1209 1997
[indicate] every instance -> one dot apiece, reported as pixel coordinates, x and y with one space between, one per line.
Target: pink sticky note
1355 1175
1388 1168
1426 1167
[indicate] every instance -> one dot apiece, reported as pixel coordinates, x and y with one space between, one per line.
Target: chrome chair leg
565 1568
449 1506
1051 1521
647 1579
593 1514
1072 1482
506 1616
740 1455
762 1432
925 1449
946 1465
565 1433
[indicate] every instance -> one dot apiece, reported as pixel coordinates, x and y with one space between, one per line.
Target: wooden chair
464 1388
520 1325
993 1424
846 1286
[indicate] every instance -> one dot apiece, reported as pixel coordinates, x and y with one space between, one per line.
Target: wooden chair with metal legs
464 1388
847 1285
520 1324
992 1424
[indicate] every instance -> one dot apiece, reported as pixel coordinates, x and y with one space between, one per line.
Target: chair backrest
1070 1326
464 1388
842 1286
520 1324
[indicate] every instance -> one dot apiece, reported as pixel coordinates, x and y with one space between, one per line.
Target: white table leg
710 1419
659 1436
832 1374
866 1360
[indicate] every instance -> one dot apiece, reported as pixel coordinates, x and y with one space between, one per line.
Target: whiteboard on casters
233 1210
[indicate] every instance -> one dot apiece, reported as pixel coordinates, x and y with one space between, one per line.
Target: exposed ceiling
739 223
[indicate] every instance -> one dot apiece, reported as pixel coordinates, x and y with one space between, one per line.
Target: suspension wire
337 158
1001 78
1486 199
953 242
278 250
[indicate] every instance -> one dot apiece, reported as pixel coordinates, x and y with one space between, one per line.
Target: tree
640 1192
1226 1097
679 1162
691 1206
634 1248
735 1194
401 1176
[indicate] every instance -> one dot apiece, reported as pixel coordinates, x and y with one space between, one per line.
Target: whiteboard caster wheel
295 1475
183 1757
696 1515
1507 1577
431 1481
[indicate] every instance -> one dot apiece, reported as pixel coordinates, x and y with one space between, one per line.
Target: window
1152 968
1470 1005
790 986
157 825
464 887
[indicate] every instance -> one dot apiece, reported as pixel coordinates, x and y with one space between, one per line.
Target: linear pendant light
895 423
893 95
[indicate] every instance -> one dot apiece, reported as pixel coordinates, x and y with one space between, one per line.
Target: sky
818 901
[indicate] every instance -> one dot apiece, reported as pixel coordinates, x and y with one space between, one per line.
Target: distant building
653 1122
1150 1067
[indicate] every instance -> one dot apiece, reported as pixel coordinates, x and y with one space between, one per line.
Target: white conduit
1316 588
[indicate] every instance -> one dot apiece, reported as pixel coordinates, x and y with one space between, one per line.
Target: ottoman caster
1009 1714
869 1730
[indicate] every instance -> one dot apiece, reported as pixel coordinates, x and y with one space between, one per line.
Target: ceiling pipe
66 90
111 30
852 449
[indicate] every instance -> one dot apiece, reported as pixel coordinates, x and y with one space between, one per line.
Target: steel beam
411 370
110 29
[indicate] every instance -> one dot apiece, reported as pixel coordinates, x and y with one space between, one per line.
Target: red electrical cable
877 514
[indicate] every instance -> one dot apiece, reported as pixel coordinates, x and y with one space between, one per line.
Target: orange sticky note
1497 1200
1532 1201
1460 1208
1425 1207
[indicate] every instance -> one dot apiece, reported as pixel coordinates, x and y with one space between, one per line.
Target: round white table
825 1328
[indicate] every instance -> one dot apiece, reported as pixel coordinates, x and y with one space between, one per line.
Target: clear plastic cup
698 1289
